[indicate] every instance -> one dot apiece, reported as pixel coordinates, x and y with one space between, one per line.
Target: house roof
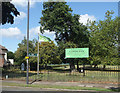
1 49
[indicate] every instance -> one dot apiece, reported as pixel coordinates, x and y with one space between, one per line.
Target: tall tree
22 51
58 17
48 53
104 40
8 13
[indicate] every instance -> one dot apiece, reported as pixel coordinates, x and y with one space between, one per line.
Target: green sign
32 55
77 53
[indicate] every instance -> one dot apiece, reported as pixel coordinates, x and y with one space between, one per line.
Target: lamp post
38 58
119 42
27 74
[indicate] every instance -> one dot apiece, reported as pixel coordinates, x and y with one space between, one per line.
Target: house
3 56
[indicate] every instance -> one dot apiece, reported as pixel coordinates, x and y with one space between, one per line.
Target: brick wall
1 61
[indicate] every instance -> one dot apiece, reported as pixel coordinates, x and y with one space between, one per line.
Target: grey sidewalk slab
78 84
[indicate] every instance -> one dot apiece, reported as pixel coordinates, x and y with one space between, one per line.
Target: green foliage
55 16
22 51
70 33
48 53
104 40
8 13
10 55
58 17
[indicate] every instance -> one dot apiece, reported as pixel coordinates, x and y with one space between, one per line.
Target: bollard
6 76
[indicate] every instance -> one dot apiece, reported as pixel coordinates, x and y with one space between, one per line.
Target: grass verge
56 87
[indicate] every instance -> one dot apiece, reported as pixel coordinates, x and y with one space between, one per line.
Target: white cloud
11 32
36 30
23 3
83 18
21 16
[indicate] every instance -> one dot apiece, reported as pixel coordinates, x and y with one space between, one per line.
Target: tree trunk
104 66
77 66
95 65
72 66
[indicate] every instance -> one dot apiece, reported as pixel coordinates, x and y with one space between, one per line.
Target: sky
12 35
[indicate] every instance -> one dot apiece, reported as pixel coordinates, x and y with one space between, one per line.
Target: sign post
32 55
77 53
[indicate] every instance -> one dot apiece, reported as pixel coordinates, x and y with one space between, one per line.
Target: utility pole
27 74
119 43
38 58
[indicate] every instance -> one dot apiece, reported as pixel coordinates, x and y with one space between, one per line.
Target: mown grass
56 86
76 77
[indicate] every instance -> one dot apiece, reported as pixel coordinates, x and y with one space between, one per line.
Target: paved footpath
78 84
16 88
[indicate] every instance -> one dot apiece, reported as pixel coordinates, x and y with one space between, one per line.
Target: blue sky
14 34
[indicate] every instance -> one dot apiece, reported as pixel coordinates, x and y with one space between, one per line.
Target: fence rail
110 74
